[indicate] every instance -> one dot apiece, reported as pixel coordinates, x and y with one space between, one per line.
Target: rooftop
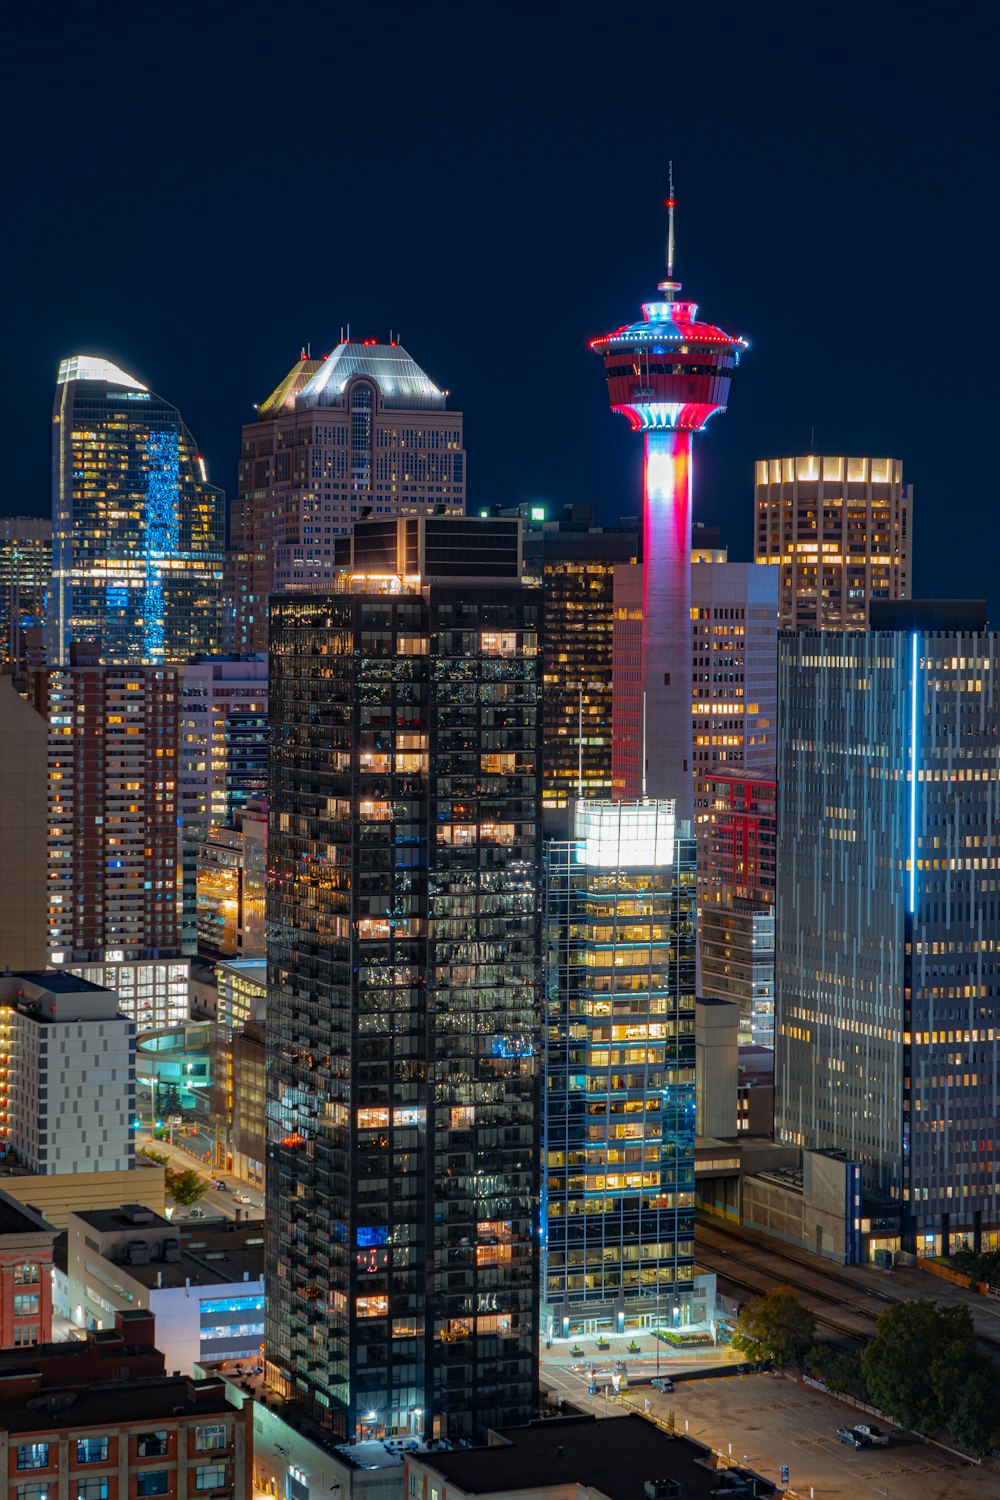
617 1456
210 1253
399 378
928 614
16 1218
114 1404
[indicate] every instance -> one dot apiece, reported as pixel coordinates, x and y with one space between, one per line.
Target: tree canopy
185 1187
775 1328
918 1362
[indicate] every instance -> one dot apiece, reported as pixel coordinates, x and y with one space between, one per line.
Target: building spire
671 205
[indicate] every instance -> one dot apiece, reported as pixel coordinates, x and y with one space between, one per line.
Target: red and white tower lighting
668 375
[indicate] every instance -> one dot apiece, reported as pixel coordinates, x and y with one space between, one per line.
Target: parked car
851 1438
242 1198
873 1435
662 1383
220 1186
729 1483
196 1213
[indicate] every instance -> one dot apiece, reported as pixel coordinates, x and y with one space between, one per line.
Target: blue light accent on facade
913 775
369 1237
509 1046
162 532
116 598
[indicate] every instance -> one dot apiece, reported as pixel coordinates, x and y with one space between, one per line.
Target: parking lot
773 1421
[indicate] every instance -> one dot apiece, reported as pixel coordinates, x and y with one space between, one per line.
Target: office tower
734 644
839 531
403 985
26 1242
888 925
231 882
361 432
24 830
736 828
138 538
221 759
25 577
618 1149
667 375
67 1080
112 828
573 562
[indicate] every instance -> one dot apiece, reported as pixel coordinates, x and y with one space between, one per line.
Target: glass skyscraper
403 1001
618 1152
888 913
138 535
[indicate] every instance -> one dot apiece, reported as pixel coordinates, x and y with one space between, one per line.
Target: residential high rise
618 1149
221 760
736 827
231 881
839 530
403 985
888 914
667 375
112 826
361 432
25 578
138 541
67 1074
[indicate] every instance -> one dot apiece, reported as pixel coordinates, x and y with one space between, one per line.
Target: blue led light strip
913 774
162 533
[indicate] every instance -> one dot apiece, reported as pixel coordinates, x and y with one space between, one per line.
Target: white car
242 1198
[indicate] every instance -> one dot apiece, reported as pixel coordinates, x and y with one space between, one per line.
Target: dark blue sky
196 192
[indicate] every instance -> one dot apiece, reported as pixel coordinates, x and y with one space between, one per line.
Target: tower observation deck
667 375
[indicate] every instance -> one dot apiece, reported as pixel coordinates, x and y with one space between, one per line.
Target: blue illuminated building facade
888 914
403 986
138 535
618 1148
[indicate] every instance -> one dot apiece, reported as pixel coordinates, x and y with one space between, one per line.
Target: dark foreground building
888 912
404 985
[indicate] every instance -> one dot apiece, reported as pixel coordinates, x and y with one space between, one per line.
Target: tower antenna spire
671 205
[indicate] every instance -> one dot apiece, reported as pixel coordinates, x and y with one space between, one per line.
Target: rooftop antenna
670 286
812 438
341 333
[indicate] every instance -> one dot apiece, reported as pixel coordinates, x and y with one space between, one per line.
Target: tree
838 1367
775 1328
159 1157
184 1187
917 1362
975 1415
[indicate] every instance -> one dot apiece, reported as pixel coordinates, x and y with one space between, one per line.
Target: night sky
195 192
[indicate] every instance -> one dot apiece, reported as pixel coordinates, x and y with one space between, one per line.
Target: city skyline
802 238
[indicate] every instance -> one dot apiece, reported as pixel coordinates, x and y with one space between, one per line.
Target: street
216 1204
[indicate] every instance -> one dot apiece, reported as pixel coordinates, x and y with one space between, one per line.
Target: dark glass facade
403 1006
138 535
888 915
618 1152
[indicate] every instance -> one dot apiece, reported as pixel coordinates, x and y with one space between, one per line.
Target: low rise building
26 1252
203 1283
123 1440
125 1352
56 1195
578 1458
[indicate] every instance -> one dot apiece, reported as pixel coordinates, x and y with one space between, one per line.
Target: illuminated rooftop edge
90 367
621 835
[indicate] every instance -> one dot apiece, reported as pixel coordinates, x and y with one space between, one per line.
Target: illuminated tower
667 375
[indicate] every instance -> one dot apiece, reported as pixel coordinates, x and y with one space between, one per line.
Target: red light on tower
666 375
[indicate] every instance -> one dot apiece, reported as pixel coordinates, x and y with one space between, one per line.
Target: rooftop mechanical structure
668 374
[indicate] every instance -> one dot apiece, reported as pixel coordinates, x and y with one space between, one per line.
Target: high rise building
361 432
667 375
221 759
618 1149
138 541
67 1075
839 532
734 646
888 913
573 562
403 985
25 578
112 827
736 828
24 829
